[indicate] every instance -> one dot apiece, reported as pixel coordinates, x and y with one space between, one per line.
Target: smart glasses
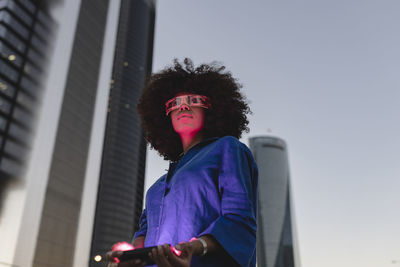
189 100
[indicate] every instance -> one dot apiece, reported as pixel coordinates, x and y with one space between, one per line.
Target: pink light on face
122 246
188 121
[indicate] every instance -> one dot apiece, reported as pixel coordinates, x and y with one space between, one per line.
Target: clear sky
325 77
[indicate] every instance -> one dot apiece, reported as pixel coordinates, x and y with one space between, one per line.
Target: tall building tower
63 197
25 37
48 211
120 195
275 246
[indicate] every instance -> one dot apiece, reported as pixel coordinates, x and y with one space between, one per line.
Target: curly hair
227 115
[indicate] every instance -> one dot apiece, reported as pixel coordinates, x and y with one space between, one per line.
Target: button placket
162 200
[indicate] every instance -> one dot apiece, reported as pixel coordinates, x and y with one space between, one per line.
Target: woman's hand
164 257
116 252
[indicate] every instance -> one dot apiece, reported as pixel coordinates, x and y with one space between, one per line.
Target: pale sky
325 77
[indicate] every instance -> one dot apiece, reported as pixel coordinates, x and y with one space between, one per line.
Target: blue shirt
211 190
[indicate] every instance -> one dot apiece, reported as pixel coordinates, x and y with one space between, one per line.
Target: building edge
89 200
295 234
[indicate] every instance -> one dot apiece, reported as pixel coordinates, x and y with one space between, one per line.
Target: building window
7 35
6 88
23 117
9 54
28 5
18 132
35 57
19 12
29 86
41 31
33 71
8 71
14 24
38 44
3 123
25 100
5 105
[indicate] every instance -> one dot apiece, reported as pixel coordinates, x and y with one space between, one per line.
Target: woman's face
187 120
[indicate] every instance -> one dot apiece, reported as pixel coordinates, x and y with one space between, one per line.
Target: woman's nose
184 107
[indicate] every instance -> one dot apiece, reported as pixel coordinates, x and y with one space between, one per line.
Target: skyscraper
275 238
120 195
63 197
48 211
25 36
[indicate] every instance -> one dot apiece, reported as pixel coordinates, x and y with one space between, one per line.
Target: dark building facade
275 246
121 185
25 40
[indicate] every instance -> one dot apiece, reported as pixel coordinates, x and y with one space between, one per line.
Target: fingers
175 260
167 251
161 255
110 256
182 245
112 264
185 247
176 251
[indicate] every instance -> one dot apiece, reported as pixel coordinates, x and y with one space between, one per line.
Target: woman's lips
184 115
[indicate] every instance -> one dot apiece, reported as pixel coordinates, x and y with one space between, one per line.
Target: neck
189 140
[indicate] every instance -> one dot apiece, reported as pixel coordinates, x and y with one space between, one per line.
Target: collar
199 144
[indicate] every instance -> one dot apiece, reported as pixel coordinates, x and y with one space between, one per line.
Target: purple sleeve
142 225
236 228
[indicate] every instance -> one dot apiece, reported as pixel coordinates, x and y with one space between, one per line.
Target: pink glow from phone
175 251
122 246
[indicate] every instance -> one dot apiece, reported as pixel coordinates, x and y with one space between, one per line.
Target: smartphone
139 253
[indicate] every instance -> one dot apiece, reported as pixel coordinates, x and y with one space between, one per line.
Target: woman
206 204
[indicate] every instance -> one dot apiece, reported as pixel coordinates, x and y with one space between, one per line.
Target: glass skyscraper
275 239
25 37
120 195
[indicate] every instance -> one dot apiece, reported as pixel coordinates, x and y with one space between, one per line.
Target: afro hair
227 115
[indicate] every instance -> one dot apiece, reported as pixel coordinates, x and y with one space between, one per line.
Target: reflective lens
189 100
